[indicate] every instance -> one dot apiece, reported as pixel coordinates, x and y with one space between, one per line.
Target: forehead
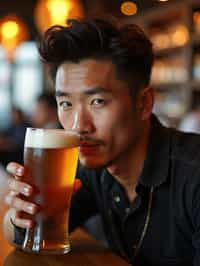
87 73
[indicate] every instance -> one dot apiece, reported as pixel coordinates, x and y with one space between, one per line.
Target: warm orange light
196 20
196 17
56 12
161 41
128 8
180 36
59 10
9 29
13 31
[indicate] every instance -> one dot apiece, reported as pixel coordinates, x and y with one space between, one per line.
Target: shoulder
185 163
185 148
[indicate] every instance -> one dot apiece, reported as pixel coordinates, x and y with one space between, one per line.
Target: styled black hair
126 46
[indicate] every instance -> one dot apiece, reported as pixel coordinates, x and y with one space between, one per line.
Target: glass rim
51 138
61 130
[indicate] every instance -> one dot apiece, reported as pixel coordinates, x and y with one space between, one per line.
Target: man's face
98 106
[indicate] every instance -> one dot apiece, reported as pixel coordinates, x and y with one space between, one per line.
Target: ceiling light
129 8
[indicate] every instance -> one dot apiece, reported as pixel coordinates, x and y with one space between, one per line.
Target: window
27 76
20 80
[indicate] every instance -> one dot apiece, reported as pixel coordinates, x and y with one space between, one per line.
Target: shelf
174 30
170 86
170 50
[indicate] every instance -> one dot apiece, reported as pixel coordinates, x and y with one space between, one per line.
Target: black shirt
166 212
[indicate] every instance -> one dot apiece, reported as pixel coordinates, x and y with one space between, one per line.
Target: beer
50 160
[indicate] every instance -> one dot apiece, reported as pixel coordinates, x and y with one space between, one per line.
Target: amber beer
50 160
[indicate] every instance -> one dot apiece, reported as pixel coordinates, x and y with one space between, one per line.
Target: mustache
90 140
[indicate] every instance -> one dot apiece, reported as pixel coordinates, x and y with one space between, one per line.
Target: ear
145 102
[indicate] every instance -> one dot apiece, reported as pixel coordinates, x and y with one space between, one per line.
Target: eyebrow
86 92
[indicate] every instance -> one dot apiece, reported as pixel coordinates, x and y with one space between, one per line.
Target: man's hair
48 98
126 46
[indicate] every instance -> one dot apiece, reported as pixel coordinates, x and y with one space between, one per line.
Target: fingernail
26 191
20 171
30 209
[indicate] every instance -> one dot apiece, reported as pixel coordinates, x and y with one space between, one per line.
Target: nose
82 122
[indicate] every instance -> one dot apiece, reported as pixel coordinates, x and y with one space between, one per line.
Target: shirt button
117 199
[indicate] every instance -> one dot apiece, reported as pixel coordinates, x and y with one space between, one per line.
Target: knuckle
17 203
12 167
11 184
7 200
15 169
24 206
16 186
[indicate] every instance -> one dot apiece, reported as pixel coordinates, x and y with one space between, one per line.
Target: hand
17 199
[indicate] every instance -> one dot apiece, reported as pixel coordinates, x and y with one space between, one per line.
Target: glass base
59 251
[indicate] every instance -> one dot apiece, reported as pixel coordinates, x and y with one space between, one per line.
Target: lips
87 148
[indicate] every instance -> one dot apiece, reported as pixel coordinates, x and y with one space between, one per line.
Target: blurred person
45 111
12 139
141 177
191 121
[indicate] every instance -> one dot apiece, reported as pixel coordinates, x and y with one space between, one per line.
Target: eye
65 105
98 102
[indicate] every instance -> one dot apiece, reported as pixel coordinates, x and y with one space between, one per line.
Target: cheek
60 117
108 125
64 119
119 127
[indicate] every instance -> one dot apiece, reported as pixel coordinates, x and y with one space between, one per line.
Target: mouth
88 148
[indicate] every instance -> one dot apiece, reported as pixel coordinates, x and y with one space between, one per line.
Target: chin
91 163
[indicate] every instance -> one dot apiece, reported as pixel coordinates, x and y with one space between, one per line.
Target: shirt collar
156 164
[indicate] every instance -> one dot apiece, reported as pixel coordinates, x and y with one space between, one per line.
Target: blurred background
173 26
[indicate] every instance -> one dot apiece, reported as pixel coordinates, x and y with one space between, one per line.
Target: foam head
50 138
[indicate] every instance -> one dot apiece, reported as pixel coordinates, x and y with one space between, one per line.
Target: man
141 177
45 111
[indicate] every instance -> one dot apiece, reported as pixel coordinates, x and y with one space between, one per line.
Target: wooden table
85 250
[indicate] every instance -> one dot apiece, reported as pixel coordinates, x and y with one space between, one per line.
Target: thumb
77 185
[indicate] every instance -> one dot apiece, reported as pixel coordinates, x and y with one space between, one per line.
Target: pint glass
50 161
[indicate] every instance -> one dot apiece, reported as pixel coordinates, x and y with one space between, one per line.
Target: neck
127 169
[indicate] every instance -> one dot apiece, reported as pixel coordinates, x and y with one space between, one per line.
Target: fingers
19 204
23 210
20 187
13 199
17 220
23 223
15 169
